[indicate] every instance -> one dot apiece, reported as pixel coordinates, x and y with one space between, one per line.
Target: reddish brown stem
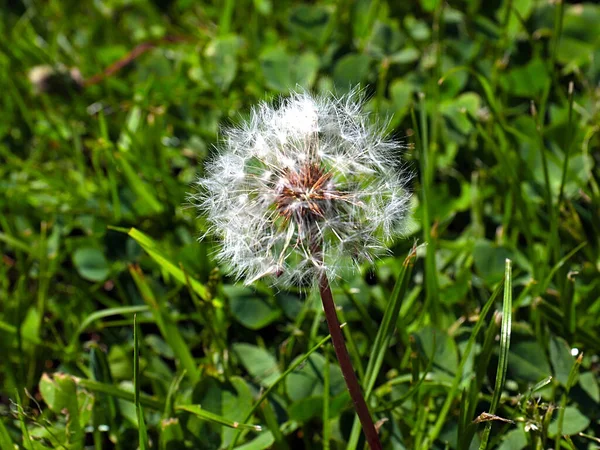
343 357
129 58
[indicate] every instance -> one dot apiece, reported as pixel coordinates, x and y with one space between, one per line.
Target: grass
117 329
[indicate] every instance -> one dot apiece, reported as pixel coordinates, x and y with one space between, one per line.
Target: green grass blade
140 187
273 426
152 249
450 397
383 337
546 282
418 381
197 411
388 323
504 349
536 387
142 432
113 391
15 243
121 310
169 401
168 328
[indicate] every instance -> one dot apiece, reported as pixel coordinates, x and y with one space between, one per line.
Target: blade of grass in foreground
467 428
384 335
168 328
443 413
504 347
142 432
215 418
152 249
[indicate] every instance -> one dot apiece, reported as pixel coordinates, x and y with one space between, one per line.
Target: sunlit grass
117 328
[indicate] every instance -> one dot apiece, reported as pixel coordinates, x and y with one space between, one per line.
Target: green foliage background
95 228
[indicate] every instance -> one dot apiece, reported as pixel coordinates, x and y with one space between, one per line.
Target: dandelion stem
346 365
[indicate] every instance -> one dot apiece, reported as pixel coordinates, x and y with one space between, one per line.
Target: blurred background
108 110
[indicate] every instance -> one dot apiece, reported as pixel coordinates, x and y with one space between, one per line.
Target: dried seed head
304 189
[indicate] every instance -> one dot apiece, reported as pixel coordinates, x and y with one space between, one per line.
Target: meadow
119 330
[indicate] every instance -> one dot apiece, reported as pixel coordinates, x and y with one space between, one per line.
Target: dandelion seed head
306 188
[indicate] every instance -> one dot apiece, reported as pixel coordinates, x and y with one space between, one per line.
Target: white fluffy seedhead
307 188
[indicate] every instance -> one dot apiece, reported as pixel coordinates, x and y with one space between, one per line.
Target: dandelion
308 188
301 192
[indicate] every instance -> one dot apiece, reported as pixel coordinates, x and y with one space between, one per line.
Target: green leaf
589 383
521 9
579 38
250 310
310 23
527 362
460 110
489 260
284 71
401 93
267 391
385 39
429 5
465 433
574 422
231 399
91 264
561 359
306 409
60 394
259 363
405 56
221 60
308 380
264 7
437 345
235 405
514 440
261 442
527 81
132 124
351 70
